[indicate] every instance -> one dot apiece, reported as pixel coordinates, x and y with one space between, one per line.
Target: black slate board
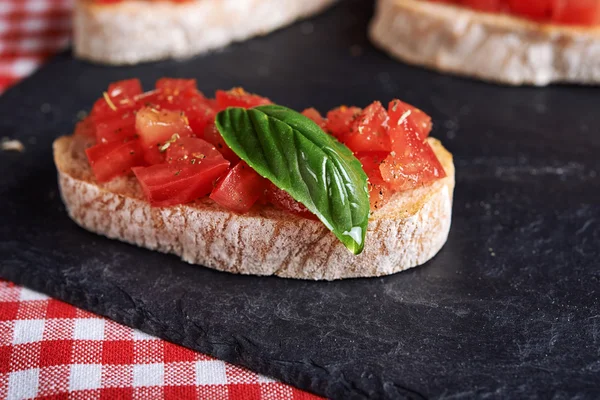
508 309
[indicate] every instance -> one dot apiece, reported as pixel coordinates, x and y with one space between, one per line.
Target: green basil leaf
296 155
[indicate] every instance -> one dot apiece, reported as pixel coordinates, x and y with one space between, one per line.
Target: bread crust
137 31
406 232
493 47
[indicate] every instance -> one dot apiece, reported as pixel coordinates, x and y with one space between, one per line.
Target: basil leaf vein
295 154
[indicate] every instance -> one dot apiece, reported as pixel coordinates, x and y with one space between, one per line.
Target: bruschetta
515 42
121 32
239 184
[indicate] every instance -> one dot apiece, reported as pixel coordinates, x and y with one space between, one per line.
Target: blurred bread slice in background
495 47
133 31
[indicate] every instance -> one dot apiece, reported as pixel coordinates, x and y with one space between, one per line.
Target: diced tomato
172 128
370 162
379 190
181 96
199 114
120 1
570 12
341 119
175 86
576 12
484 5
239 189
157 128
411 163
284 201
179 183
173 94
533 9
119 97
126 89
369 131
85 128
212 135
316 117
379 195
110 160
116 128
400 112
150 98
190 149
238 97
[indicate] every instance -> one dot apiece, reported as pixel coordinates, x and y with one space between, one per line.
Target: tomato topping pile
567 12
119 1
168 139
390 144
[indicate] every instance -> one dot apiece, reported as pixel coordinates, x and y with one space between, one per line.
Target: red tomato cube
191 149
369 131
239 189
199 113
179 183
379 190
196 107
212 135
533 9
114 159
119 97
157 129
116 128
401 113
238 97
412 163
484 5
175 86
284 201
341 119
576 12
86 128
316 117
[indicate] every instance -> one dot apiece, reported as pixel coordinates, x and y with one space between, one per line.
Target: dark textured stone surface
508 309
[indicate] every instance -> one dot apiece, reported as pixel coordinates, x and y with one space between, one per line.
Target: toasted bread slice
134 31
494 47
406 232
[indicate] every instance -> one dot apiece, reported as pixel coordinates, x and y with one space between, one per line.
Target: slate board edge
79 298
566 222
235 352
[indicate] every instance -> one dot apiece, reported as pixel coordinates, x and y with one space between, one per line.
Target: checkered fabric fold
30 32
50 349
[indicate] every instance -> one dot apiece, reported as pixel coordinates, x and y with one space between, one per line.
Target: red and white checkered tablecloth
49 349
30 32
